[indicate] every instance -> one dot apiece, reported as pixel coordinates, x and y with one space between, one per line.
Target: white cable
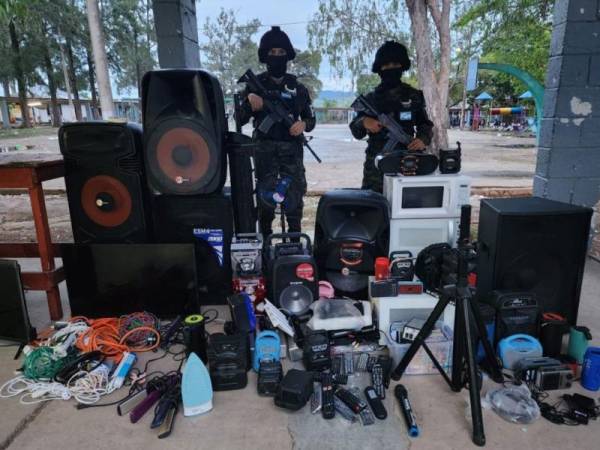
85 387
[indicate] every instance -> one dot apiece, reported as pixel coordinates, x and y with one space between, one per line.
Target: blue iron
196 388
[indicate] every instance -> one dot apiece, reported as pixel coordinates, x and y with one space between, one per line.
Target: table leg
42 230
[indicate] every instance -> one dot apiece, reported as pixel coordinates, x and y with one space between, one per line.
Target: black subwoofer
207 222
105 180
534 245
185 126
352 229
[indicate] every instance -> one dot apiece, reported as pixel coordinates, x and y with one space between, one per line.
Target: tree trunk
73 80
6 88
92 81
63 61
20 75
56 120
435 89
100 60
55 110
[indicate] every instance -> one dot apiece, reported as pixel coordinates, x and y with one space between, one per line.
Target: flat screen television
109 280
14 319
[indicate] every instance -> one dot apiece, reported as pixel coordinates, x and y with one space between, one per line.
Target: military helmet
391 52
275 38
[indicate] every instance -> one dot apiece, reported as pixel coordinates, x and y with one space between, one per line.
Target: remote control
344 411
316 399
337 365
366 416
351 400
361 363
377 380
386 365
371 362
336 378
375 403
328 405
349 363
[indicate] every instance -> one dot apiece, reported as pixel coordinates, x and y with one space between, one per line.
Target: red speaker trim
117 190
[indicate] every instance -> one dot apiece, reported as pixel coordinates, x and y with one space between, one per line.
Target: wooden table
28 171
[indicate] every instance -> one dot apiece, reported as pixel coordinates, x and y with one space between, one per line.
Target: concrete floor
242 420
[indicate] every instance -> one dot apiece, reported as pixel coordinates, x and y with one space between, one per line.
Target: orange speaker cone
183 155
106 201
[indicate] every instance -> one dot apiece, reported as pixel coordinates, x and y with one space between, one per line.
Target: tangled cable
72 362
85 387
136 332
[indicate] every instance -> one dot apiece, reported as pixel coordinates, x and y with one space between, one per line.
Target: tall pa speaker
352 229
207 222
533 245
185 126
106 185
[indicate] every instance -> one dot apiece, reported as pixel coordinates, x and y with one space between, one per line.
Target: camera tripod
464 368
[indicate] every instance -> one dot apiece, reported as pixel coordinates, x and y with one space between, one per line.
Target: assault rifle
396 134
278 112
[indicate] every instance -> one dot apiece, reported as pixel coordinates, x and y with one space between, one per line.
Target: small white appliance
425 210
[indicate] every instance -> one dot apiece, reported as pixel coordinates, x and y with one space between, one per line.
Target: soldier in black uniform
279 155
391 96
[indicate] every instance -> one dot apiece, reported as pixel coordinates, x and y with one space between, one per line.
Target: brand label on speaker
305 271
214 237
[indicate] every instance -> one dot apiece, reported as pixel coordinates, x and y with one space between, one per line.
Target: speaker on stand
106 182
533 245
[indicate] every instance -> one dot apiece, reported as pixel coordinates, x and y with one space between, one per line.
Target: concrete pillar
568 162
176 33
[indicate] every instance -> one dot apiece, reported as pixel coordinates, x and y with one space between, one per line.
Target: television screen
108 280
14 319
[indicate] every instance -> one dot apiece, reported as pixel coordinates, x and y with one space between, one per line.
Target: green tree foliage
366 82
349 32
230 50
306 67
513 32
131 41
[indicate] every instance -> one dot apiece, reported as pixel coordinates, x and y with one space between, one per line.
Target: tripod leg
458 347
474 394
490 356
437 364
420 339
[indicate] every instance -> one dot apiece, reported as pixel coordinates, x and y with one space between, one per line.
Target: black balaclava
275 38
391 78
277 65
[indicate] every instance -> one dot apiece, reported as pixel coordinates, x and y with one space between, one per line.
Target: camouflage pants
276 160
372 177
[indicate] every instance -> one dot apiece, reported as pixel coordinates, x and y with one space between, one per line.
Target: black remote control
377 380
386 365
350 400
375 403
328 406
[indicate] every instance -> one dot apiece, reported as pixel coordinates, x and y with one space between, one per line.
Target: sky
292 15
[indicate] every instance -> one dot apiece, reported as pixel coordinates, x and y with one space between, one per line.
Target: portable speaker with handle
106 183
534 245
294 283
185 125
352 229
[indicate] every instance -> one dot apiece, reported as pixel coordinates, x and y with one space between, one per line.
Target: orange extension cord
104 335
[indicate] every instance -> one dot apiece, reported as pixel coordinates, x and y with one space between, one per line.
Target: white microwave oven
416 234
430 196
